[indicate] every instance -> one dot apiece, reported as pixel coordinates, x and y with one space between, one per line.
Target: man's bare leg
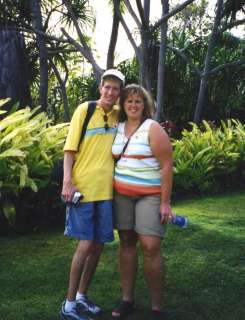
83 250
90 267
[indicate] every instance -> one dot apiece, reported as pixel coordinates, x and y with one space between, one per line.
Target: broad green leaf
31 183
12 153
23 176
200 154
46 157
4 101
9 212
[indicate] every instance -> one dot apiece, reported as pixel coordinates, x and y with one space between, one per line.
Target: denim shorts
90 221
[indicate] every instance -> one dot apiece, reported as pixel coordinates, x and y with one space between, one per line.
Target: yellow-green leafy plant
207 158
29 145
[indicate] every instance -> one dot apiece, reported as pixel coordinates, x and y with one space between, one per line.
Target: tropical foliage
200 53
29 145
209 158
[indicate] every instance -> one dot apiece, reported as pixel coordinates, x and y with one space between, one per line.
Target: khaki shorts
141 214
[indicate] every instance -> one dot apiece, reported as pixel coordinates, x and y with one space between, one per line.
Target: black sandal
157 315
123 309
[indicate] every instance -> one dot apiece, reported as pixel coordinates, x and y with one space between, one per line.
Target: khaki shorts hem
148 233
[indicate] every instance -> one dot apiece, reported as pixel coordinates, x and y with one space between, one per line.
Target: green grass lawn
205 270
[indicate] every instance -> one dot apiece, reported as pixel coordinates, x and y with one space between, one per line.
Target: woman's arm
162 150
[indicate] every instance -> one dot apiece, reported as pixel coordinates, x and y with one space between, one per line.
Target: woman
143 184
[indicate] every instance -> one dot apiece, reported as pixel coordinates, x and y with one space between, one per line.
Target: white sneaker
84 304
72 315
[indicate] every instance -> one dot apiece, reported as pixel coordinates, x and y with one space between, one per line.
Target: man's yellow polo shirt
93 168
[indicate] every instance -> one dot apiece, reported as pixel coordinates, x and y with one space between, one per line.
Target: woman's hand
166 213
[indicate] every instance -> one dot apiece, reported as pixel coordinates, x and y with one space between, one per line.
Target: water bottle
180 221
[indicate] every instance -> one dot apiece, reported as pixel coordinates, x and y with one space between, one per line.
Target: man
90 171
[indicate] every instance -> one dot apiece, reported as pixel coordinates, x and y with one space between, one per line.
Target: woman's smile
134 106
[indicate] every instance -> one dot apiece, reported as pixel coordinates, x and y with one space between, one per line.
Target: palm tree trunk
43 56
113 39
145 37
207 64
14 79
161 63
63 91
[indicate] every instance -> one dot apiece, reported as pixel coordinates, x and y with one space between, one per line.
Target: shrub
209 158
29 145
206 159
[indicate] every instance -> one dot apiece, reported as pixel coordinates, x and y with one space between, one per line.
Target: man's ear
100 87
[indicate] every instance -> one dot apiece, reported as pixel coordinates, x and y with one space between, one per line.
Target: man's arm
68 188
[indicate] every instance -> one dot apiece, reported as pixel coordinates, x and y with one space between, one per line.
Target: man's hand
68 190
68 187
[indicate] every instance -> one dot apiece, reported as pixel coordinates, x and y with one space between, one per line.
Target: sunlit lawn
205 270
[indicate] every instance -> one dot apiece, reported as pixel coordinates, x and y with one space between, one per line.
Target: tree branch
133 14
84 49
129 35
46 36
53 52
74 20
49 16
226 65
186 59
86 52
232 25
63 90
141 11
170 14
64 64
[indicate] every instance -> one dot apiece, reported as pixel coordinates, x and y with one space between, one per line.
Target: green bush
29 145
208 158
